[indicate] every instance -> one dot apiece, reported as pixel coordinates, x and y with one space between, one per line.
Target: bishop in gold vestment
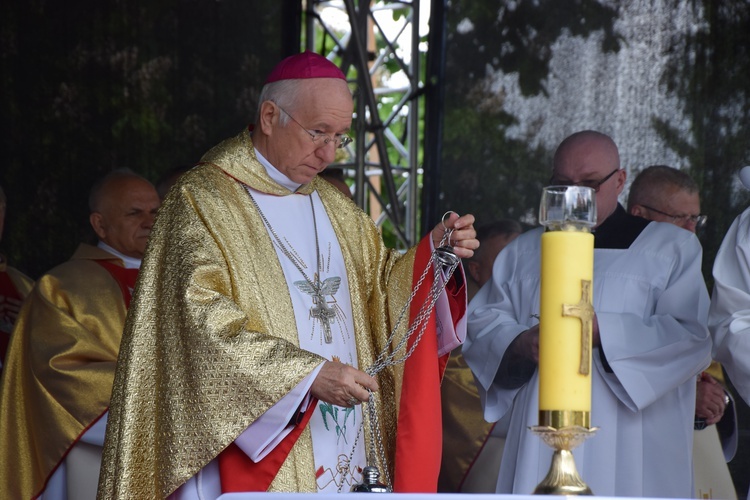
264 297
211 342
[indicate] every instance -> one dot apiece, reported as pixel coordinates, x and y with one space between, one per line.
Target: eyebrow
322 125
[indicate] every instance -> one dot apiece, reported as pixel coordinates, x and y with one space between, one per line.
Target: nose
689 225
327 152
148 221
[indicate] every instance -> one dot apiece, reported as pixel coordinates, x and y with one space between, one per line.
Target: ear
473 268
97 222
638 210
620 177
268 117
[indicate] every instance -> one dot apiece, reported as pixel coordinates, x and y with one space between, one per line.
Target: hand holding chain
449 262
444 253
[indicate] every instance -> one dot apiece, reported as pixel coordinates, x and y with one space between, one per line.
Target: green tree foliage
489 175
517 36
94 85
484 171
710 73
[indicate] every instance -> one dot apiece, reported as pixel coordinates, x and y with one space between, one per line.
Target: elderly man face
321 106
124 215
591 159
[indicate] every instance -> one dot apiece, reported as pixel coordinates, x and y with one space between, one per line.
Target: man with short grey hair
264 297
665 194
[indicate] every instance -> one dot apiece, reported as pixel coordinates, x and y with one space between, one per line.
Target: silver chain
316 284
376 453
387 357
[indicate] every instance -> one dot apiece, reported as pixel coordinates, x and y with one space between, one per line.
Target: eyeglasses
698 220
319 138
595 185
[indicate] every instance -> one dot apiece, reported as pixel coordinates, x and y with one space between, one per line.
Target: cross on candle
585 312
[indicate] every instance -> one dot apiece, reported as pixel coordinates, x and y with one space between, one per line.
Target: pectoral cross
323 313
585 312
321 310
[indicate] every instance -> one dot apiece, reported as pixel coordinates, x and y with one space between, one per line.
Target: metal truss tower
377 45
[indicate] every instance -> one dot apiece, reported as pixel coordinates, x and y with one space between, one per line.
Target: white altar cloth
399 496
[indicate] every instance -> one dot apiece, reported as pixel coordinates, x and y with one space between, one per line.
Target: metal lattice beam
377 45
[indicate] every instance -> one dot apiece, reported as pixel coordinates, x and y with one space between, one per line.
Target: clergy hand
463 239
526 344
710 400
342 385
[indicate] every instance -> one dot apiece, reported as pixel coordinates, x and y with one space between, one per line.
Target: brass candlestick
564 431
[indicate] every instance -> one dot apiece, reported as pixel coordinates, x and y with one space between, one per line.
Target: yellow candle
564 351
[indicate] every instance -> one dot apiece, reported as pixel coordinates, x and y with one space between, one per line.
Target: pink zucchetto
305 65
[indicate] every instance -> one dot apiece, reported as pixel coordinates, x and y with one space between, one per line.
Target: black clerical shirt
619 230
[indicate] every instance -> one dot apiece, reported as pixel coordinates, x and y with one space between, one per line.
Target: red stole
419 435
7 291
126 278
239 473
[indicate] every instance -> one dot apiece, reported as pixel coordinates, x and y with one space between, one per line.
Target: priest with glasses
265 303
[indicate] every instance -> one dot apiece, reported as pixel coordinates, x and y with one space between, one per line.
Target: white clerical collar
275 174
128 262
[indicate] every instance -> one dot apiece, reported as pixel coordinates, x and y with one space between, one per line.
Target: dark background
89 86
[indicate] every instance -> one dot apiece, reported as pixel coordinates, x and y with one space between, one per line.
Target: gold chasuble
58 374
211 340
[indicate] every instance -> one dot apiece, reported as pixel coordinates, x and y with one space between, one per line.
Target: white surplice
338 452
652 306
729 315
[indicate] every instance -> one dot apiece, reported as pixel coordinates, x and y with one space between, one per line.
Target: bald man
650 341
61 360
